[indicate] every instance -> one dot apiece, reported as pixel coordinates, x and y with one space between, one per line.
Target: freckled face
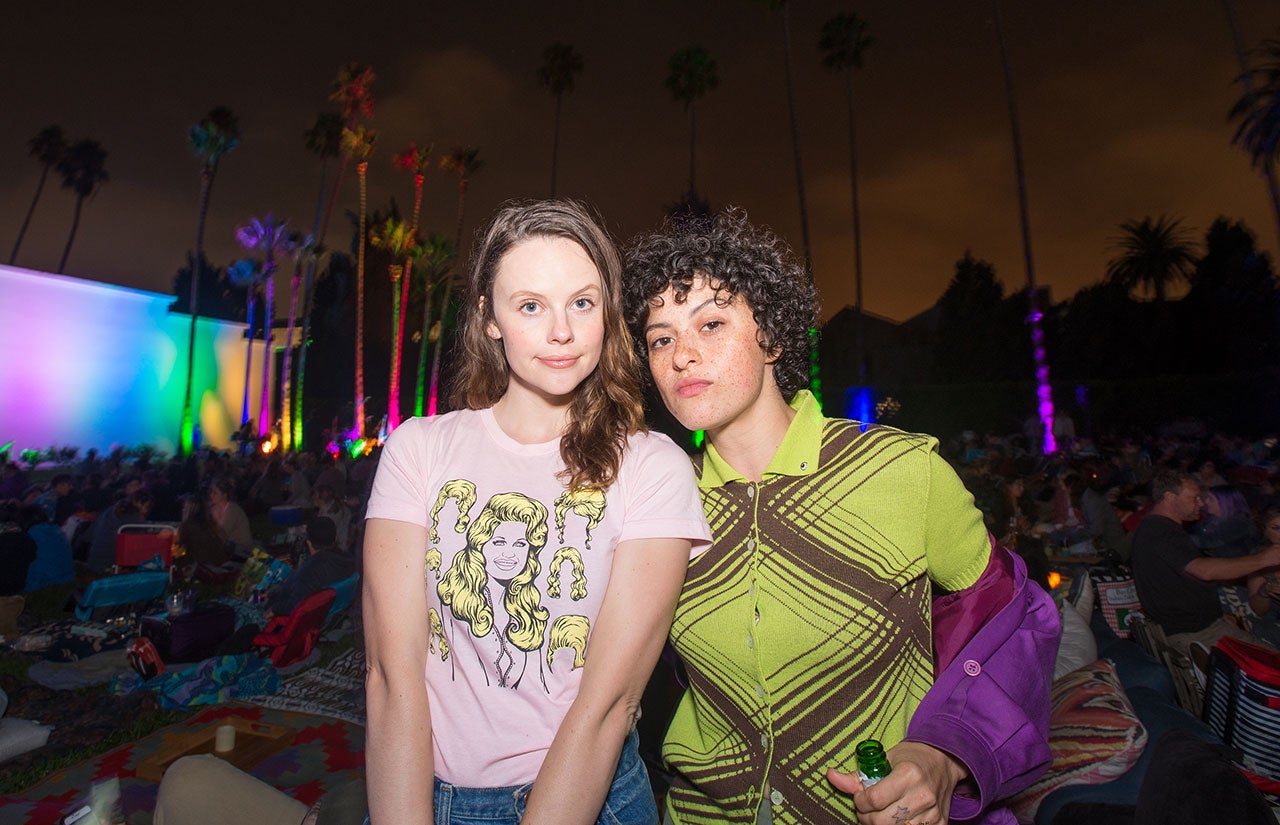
506 552
707 360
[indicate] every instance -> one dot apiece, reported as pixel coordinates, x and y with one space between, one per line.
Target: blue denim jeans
630 800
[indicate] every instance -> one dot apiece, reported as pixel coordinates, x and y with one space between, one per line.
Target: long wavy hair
463 587
606 406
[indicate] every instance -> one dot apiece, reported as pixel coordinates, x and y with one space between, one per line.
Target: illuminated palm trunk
248 355
361 169
286 377
398 279
264 411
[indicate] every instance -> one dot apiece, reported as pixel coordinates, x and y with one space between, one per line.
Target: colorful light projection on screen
88 364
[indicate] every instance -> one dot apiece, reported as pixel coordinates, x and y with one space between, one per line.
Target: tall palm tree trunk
555 146
268 334
308 289
399 296
795 140
31 210
248 355
286 386
1246 77
75 225
860 338
361 169
432 400
1044 390
186 437
422 351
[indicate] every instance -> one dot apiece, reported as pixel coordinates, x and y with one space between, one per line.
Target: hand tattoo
901 814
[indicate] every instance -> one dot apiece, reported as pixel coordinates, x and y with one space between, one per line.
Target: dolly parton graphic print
506 588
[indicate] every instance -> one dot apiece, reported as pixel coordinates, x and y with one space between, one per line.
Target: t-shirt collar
797 455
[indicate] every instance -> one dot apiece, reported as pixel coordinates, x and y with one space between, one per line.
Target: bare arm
1209 569
624 645
398 750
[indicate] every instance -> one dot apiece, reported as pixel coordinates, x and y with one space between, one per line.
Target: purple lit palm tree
246 274
271 238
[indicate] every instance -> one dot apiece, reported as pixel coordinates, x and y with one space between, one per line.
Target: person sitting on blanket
324 565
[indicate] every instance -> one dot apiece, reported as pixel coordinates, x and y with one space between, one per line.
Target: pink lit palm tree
358 143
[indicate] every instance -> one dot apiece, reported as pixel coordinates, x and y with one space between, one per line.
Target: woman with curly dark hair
807 625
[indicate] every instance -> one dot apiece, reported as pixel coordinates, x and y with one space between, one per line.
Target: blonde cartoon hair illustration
569 631
433 559
463 586
437 635
579 588
465 493
587 502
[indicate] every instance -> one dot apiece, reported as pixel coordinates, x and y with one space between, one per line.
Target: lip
560 362
689 387
505 563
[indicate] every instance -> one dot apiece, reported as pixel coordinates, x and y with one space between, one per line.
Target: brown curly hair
606 406
739 260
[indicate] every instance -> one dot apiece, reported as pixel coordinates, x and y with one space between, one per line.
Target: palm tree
1044 390
217 134
785 7
358 143
561 63
1152 255
246 274
271 238
302 245
83 170
843 41
47 147
1258 111
434 259
463 162
691 74
324 138
395 237
351 91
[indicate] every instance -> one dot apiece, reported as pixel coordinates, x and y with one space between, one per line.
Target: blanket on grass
324 754
335 690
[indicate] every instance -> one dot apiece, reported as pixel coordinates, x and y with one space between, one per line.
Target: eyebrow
692 311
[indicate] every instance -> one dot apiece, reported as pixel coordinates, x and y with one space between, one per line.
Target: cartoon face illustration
506 552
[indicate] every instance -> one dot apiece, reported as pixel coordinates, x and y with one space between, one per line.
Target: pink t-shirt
516 568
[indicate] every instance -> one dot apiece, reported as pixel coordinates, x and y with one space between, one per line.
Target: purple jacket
989 707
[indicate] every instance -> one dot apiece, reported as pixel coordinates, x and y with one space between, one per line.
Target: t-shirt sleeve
399 488
662 499
956 544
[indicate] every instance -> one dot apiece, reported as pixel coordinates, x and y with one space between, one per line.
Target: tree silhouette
83 169
1151 255
1258 111
47 147
691 73
561 64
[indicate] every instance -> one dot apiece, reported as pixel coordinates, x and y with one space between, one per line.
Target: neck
752 440
531 419
1167 512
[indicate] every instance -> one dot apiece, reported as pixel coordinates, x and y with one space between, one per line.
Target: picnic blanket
335 690
324 754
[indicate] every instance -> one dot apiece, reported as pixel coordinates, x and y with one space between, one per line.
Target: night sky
1123 108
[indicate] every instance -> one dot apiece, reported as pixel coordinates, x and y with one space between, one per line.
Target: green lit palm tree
272 239
358 144
217 134
561 64
83 169
302 246
463 162
324 139
434 262
1258 111
1152 255
47 147
691 73
844 40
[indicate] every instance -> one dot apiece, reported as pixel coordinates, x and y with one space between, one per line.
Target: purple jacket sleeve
989 707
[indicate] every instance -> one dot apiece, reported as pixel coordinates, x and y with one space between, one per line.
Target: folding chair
138 543
117 591
292 637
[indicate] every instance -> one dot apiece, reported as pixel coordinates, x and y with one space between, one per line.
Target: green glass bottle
873 765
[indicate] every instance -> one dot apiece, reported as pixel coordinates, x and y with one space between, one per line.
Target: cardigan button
972 668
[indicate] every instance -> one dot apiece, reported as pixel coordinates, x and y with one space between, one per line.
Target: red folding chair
137 543
292 637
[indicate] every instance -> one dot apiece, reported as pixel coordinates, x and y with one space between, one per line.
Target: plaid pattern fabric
1118 599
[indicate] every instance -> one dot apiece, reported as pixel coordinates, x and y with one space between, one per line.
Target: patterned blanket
336 690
